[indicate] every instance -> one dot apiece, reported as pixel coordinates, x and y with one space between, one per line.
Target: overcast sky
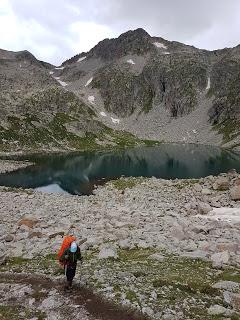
54 30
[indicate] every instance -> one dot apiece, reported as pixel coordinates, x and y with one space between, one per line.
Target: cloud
55 30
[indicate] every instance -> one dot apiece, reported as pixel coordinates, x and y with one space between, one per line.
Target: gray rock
219 259
235 193
221 184
227 285
198 254
232 299
106 253
204 208
216 310
157 256
206 191
9 238
125 244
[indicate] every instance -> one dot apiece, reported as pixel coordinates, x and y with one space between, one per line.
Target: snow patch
194 131
51 72
103 114
59 68
62 83
115 120
91 99
223 214
89 81
130 61
160 45
81 59
208 84
166 52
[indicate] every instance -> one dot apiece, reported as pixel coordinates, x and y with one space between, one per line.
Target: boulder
227 285
30 222
237 182
204 208
106 253
3 258
232 299
195 255
216 310
235 193
221 184
206 191
157 256
125 244
219 259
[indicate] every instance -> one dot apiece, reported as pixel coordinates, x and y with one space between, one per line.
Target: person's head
73 247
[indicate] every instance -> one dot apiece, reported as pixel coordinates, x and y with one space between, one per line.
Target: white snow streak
62 83
89 81
115 120
91 99
223 214
59 68
130 61
160 45
208 84
103 114
166 52
81 59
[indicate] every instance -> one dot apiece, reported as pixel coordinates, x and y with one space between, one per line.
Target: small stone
35 234
9 238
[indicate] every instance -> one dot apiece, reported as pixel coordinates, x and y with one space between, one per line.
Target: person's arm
78 255
64 256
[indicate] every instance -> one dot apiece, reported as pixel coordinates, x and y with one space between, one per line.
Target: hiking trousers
70 272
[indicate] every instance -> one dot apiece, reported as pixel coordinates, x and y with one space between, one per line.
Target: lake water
78 173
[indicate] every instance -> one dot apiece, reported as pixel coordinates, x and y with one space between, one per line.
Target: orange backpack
65 244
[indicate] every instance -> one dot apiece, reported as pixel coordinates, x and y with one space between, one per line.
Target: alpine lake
79 173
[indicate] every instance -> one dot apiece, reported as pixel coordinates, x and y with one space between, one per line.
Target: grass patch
126 183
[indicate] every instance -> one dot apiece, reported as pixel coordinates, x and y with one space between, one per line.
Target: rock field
167 248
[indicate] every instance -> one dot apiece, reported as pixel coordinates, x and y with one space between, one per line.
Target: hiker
69 258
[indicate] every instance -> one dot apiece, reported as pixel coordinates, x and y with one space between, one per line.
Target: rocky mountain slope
148 86
160 89
38 113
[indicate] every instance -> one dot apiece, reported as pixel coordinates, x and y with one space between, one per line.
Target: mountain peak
139 32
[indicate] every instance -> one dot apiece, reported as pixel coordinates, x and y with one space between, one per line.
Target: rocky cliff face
151 87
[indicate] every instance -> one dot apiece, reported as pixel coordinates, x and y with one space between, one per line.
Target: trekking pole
80 277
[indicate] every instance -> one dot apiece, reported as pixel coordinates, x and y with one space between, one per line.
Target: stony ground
169 249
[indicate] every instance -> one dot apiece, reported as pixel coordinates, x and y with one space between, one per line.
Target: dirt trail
93 304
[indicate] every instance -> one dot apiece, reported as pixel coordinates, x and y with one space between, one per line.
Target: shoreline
50 152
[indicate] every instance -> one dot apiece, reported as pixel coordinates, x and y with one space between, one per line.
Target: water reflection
78 173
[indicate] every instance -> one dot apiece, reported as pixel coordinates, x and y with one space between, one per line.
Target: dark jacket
70 258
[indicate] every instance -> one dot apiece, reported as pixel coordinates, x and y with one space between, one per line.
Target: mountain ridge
153 88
